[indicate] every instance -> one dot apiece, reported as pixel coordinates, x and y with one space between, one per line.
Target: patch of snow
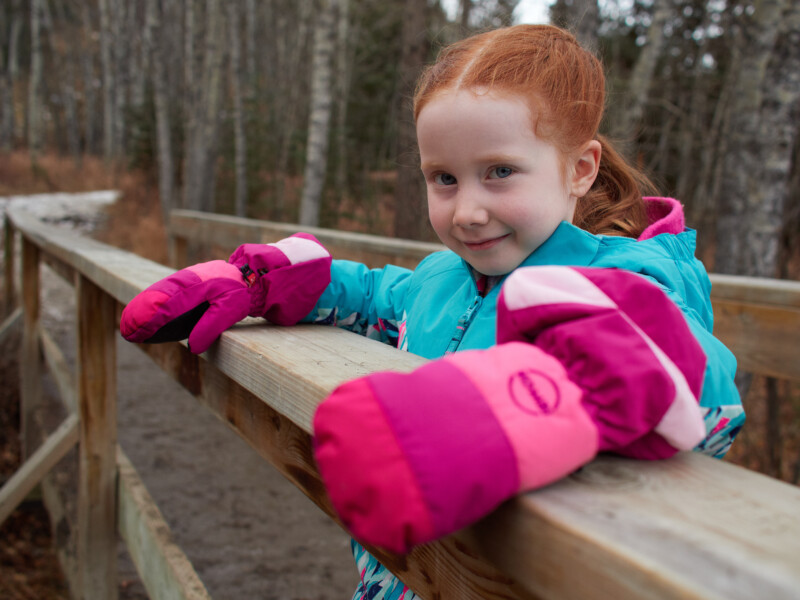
81 212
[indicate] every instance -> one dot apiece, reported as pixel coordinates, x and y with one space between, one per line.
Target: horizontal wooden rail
229 232
758 319
688 527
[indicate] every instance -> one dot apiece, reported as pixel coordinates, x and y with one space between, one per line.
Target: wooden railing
688 527
759 319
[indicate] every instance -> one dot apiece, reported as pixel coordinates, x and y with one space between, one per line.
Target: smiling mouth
485 244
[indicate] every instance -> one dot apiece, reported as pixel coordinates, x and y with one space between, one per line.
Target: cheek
438 215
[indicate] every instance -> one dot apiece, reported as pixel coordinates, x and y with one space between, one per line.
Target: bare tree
107 69
203 126
87 59
320 114
236 79
581 17
409 198
344 49
464 12
35 83
9 66
641 77
750 207
159 57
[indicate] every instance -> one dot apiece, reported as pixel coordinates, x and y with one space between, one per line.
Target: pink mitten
409 458
280 281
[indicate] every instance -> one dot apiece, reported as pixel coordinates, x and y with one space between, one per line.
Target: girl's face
496 192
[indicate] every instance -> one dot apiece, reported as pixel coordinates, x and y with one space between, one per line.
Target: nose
469 211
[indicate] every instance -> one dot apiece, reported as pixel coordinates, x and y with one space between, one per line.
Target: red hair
564 86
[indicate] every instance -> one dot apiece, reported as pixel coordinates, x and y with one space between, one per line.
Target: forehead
462 120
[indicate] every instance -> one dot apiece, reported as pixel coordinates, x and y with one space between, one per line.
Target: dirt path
249 533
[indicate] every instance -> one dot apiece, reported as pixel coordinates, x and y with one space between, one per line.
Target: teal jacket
437 309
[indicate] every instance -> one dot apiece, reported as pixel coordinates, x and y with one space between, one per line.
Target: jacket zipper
463 323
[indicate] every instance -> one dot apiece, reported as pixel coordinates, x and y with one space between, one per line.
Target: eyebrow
487 159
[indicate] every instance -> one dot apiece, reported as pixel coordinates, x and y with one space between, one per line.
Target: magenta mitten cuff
287 277
280 281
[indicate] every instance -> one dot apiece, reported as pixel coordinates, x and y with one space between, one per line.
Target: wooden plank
765 338
688 527
37 466
59 369
755 290
163 568
30 355
97 389
230 232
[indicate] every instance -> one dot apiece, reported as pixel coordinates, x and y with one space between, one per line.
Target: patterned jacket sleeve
366 301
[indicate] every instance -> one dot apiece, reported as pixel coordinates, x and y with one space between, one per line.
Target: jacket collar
567 246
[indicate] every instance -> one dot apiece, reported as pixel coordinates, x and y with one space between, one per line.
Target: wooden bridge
688 527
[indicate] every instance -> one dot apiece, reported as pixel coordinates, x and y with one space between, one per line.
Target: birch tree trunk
35 83
119 50
320 114
290 53
240 141
107 69
640 80
344 48
9 65
201 147
87 58
159 59
409 198
746 230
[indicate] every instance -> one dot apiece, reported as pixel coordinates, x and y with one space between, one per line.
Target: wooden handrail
758 319
688 527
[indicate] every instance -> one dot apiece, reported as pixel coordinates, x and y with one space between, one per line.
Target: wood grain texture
163 568
97 392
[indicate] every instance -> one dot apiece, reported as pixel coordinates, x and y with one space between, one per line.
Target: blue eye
500 172
444 179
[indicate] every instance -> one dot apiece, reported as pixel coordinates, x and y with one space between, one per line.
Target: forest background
299 111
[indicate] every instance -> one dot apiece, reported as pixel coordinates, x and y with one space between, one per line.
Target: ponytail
613 205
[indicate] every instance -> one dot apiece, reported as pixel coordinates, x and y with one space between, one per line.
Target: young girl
579 318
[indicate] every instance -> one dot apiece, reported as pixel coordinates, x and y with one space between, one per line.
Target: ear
585 168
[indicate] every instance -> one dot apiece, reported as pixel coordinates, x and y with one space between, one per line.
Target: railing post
30 354
97 388
9 300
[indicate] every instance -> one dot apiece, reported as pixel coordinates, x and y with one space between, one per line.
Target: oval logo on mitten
534 392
